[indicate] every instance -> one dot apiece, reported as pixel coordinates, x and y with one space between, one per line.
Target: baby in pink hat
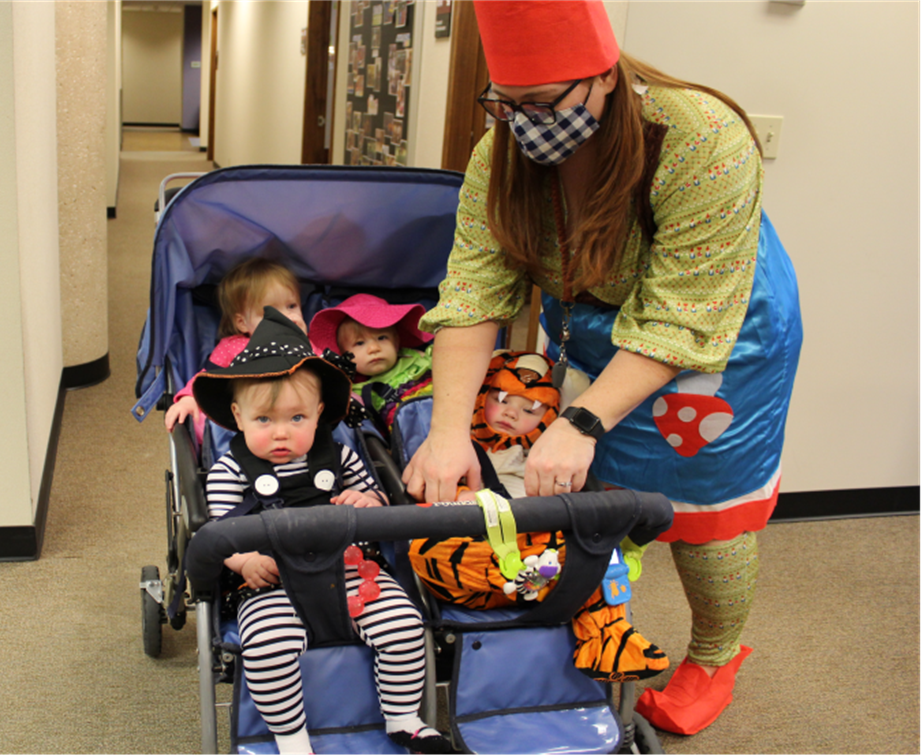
392 359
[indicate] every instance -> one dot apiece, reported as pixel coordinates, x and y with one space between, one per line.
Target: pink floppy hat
372 312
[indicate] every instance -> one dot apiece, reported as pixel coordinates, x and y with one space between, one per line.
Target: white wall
152 64
113 98
431 68
261 78
30 371
843 195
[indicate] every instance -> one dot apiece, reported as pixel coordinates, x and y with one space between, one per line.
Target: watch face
584 421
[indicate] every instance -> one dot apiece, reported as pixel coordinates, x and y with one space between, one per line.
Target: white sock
410 724
297 743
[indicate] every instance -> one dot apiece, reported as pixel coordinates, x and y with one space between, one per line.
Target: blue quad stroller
341 231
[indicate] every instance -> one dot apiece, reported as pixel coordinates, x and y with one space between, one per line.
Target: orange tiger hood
519 373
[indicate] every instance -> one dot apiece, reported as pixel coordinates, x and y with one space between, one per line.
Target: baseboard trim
847 504
25 543
152 125
87 374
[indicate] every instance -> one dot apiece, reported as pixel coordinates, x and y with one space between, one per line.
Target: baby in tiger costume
516 403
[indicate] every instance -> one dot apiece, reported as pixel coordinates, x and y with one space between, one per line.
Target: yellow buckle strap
501 532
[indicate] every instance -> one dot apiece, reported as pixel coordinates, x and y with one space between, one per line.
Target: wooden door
319 19
465 120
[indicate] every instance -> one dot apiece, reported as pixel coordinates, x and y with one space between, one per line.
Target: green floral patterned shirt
683 297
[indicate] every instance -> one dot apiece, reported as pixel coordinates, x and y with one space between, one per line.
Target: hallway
835 627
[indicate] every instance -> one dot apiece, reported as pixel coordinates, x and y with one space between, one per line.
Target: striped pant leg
273 638
392 626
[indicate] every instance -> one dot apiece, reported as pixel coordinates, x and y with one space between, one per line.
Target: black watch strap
584 421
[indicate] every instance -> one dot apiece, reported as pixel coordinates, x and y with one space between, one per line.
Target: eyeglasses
539 113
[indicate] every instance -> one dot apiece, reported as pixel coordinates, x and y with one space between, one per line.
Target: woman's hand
561 455
460 357
439 464
180 410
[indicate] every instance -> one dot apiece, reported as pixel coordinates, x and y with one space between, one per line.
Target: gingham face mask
553 143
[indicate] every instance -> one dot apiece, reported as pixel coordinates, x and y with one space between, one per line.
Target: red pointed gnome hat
533 42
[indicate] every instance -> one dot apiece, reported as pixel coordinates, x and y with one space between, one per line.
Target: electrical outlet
768 128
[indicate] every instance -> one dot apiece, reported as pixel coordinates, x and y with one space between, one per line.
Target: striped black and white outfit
272 636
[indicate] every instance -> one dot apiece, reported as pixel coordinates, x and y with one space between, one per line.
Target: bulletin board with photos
379 81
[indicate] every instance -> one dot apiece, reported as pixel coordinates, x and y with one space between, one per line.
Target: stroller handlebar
597 521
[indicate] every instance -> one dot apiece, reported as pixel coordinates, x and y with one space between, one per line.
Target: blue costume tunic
721 450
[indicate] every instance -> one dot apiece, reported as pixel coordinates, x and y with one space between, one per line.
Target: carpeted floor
835 626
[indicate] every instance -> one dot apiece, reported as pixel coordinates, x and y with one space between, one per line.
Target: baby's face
513 415
280 430
277 295
375 350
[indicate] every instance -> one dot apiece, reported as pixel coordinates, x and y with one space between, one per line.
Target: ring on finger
563 484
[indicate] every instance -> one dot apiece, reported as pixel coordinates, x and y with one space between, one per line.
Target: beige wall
152 64
80 34
113 98
431 67
843 194
259 110
30 371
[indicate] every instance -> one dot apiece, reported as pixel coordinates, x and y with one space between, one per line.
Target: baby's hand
260 571
355 498
180 410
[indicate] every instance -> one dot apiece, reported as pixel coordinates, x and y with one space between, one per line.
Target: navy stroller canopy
358 228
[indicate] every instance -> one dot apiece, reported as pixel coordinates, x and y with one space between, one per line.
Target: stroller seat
341 673
511 684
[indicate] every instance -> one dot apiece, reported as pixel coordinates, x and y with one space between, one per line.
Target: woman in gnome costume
284 400
633 200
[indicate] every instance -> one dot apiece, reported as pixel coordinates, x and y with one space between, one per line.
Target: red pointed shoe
691 700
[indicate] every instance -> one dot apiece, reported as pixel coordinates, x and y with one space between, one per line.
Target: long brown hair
516 207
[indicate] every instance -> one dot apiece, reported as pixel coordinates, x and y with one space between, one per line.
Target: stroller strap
501 532
315 583
268 491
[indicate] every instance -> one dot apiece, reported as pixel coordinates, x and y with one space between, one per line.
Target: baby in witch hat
384 342
284 400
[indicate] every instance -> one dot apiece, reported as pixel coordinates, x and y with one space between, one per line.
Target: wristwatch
584 421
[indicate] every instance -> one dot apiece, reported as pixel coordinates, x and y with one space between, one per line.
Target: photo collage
379 80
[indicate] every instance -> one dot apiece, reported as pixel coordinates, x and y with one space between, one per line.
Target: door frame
212 85
465 120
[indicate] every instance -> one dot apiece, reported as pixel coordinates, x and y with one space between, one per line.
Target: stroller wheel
152 614
645 739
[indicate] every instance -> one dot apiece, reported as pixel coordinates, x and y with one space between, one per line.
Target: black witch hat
277 348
